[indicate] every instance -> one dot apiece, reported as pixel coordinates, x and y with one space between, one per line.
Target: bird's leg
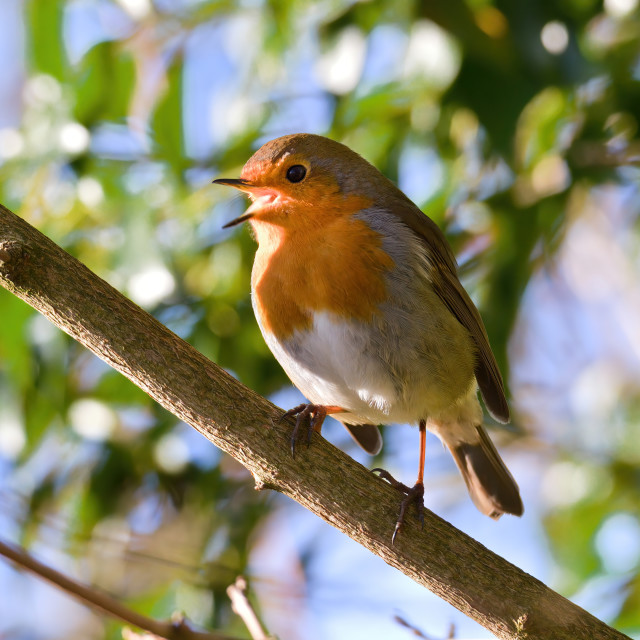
412 494
315 414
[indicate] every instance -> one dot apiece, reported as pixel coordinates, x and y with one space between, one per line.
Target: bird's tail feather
491 486
367 436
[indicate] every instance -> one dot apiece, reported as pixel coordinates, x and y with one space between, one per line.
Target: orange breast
324 261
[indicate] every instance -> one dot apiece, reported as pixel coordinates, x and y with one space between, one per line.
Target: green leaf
104 84
45 44
167 124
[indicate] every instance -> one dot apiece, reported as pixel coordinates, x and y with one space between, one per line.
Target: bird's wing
448 287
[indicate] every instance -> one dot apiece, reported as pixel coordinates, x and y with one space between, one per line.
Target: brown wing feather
452 293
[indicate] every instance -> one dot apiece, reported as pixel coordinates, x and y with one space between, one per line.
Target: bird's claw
313 413
412 494
385 475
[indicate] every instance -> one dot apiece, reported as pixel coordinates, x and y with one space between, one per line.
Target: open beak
261 195
241 185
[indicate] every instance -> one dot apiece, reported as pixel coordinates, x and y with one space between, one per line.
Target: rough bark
501 597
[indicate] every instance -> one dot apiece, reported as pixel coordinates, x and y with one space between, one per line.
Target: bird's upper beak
237 183
259 194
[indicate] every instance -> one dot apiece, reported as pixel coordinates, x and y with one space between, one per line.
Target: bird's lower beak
239 220
242 185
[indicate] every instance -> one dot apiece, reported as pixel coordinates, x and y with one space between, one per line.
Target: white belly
376 377
328 365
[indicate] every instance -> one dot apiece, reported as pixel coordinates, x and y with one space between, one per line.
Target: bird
356 293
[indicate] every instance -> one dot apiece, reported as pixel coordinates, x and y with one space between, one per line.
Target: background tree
513 124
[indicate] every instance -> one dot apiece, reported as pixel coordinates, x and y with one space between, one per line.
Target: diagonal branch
481 584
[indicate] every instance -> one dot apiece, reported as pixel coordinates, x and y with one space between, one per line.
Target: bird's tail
491 486
367 436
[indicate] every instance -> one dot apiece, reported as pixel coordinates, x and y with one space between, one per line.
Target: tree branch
178 630
481 584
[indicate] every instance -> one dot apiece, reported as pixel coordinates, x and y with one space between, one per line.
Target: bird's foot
312 414
412 494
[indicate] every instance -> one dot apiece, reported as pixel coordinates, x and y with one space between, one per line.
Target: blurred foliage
502 119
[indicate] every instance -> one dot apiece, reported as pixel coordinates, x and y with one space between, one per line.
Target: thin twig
418 633
242 607
129 634
175 630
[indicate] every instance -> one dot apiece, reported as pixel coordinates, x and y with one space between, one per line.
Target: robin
357 295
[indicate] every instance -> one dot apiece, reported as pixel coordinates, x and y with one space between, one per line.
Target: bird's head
302 179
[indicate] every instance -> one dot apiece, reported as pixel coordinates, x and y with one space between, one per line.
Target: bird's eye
296 173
